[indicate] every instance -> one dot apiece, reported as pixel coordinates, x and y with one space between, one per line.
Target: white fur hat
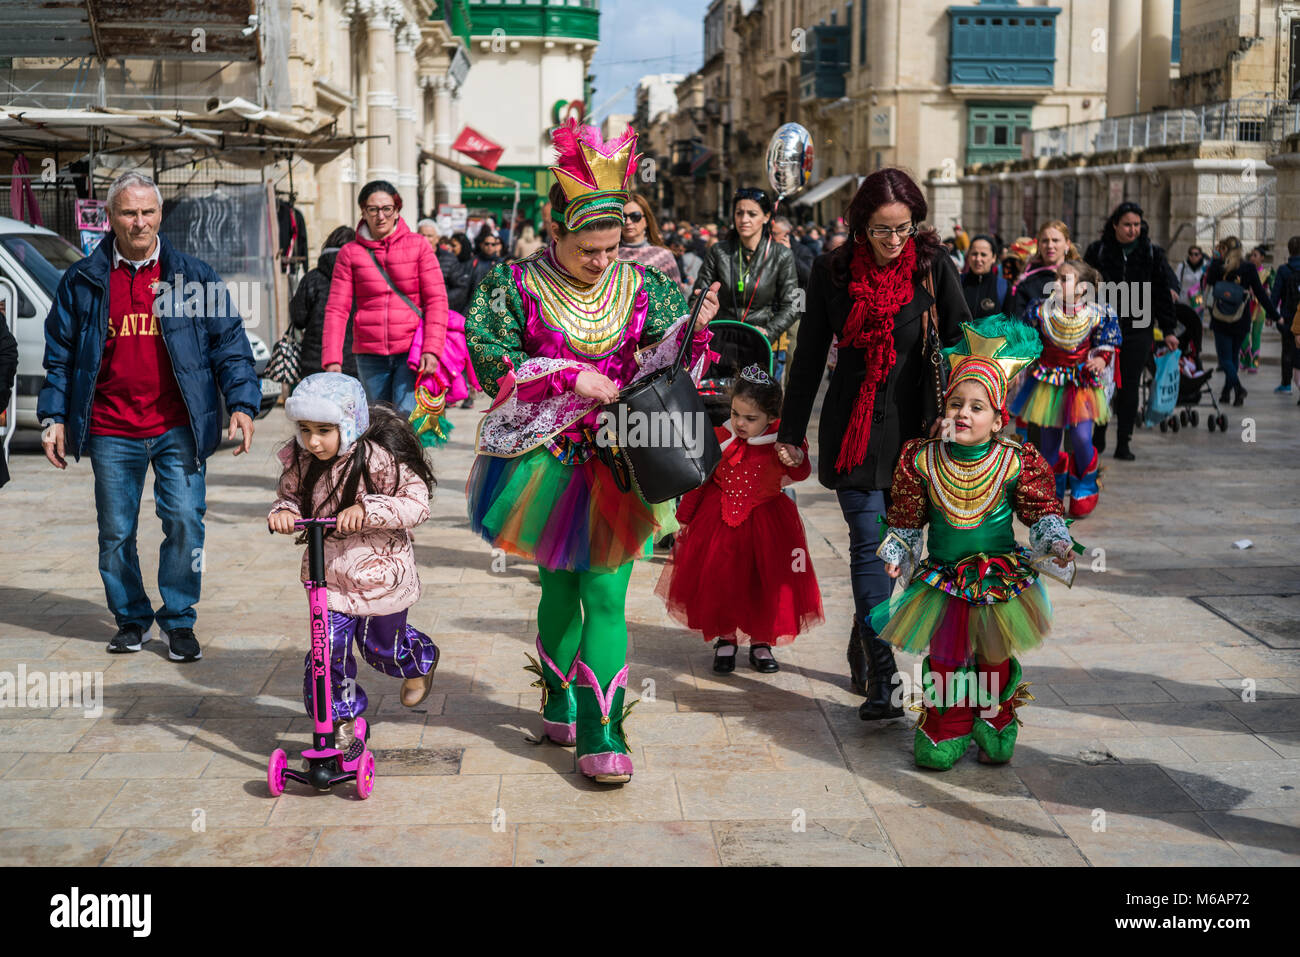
331 397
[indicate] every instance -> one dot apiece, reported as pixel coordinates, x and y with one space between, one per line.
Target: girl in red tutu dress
739 569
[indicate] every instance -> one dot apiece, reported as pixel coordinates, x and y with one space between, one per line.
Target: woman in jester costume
553 337
1067 391
975 600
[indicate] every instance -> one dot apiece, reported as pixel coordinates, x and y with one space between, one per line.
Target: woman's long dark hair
466 248
885 186
390 431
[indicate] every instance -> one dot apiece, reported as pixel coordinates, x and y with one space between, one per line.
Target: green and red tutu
991 607
566 516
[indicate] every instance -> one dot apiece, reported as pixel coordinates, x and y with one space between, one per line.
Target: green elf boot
603 753
559 703
995 729
944 730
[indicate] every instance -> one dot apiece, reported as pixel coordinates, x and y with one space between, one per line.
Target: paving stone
1275 715
1264 838
979 834
1112 787
65 846
1109 692
640 844
412 800
39 766
456 845
649 796
812 843
226 847
201 803
1148 840
54 803
1226 785
1224 747
767 795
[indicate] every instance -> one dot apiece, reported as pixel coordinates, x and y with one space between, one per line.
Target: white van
34 259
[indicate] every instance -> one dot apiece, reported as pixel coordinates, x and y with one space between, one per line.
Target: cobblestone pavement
1166 726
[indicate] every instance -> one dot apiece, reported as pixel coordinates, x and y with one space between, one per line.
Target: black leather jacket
772 304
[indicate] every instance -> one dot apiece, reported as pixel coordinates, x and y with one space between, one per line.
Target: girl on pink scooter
365 466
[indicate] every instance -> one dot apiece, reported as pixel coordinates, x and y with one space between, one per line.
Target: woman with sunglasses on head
641 241
391 275
874 294
759 282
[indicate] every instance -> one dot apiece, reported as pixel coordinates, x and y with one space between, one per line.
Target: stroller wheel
1173 423
1210 422
1194 417
1164 425
1182 417
1223 423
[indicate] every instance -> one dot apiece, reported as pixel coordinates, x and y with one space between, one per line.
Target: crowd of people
970 380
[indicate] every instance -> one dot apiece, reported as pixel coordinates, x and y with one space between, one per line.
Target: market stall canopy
237 131
137 29
819 192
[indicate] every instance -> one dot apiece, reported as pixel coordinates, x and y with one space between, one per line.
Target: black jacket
1028 289
1145 264
771 304
456 277
8 369
1248 276
307 312
986 295
479 267
899 408
803 260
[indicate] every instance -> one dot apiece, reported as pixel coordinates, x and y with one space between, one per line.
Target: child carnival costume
1066 397
975 600
537 489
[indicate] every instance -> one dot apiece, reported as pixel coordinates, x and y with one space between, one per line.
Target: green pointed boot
559 703
603 753
996 733
944 731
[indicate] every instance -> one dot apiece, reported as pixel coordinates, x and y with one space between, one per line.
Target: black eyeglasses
634 217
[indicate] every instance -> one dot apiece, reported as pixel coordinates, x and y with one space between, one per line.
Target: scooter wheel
366 775
275 772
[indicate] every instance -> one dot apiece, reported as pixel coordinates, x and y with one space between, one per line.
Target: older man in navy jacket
137 344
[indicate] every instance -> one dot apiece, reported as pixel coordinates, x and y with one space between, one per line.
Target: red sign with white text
478 148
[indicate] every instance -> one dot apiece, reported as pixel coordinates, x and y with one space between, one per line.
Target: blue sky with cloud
639 37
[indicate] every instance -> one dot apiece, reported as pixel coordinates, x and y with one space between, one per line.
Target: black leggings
1133 355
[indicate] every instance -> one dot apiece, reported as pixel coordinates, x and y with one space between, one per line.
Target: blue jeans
387 379
180 501
871 584
1228 345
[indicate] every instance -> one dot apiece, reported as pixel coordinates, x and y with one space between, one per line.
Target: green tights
582 613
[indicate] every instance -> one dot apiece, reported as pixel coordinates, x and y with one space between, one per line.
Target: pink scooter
326 764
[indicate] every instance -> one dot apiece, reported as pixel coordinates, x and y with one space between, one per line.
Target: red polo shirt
136 394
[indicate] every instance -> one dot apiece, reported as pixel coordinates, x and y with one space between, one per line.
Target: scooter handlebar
308 522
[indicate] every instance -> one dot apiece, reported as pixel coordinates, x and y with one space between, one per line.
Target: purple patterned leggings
387 643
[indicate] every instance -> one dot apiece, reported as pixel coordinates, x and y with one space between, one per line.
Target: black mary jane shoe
767 665
723 664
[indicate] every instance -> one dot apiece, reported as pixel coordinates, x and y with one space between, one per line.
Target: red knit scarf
878 292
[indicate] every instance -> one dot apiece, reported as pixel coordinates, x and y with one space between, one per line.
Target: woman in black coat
759 282
982 284
1229 335
857 458
307 308
1125 254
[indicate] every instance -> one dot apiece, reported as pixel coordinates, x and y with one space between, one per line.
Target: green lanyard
742 274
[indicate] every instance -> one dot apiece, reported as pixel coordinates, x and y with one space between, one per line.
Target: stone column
408 38
428 135
1157 32
447 179
1123 42
381 99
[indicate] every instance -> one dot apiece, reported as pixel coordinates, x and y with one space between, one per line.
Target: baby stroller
738 345
1193 378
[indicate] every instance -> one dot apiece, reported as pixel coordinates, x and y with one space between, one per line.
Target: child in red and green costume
975 600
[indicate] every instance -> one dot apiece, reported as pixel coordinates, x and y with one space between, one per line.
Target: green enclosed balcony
567 19
1002 44
824 63
456 13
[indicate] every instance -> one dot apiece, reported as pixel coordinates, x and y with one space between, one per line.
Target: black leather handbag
667 446
932 349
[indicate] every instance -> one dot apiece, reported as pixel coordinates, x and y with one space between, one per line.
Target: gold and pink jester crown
593 174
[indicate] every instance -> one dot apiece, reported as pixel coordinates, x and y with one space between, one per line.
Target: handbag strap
688 335
392 285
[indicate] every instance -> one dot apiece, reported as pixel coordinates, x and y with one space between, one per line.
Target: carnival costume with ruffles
975 600
537 489
1065 397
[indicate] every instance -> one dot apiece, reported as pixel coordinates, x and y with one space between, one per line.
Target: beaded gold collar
591 317
1068 332
966 492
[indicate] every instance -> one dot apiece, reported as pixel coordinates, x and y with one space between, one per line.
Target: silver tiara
755 374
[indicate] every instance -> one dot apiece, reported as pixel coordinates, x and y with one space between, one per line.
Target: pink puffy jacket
384 325
370 572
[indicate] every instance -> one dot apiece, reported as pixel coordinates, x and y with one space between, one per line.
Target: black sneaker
182 645
128 638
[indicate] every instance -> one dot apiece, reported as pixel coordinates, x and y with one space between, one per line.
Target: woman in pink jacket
364 466
393 277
